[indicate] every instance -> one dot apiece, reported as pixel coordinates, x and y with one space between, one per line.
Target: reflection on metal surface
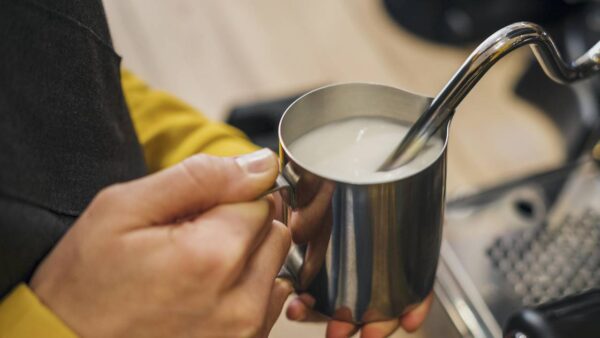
464 299
547 263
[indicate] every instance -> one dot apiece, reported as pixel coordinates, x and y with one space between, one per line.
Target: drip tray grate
551 262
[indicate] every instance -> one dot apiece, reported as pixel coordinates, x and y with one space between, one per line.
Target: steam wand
495 47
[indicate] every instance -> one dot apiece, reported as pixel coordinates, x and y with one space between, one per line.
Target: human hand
188 251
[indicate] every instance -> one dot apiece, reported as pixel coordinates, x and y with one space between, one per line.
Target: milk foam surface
351 150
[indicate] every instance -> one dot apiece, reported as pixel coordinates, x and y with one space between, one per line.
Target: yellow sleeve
170 130
22 315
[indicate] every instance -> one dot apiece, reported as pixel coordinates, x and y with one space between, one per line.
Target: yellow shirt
169 131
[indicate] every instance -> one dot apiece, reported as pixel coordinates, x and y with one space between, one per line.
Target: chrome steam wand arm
472 70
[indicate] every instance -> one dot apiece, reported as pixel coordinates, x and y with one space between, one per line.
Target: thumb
198 183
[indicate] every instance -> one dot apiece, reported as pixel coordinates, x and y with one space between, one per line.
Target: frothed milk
351 150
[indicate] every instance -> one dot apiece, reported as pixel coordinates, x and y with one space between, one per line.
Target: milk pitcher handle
285 185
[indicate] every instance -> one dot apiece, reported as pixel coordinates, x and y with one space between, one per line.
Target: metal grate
546 263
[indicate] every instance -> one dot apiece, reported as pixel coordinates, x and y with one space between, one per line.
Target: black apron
65 131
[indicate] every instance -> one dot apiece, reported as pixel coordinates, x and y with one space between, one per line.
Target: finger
305 223
280 291
411 321
257 279
339 329
196 184
379 329
300 309
243 225
415 318
229 232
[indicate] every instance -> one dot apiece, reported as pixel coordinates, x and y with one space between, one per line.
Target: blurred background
219 55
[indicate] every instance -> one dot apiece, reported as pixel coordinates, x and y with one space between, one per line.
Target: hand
300 310
184 252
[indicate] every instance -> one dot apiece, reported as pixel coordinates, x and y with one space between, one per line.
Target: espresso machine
520 259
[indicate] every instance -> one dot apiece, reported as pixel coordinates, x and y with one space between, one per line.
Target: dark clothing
65 131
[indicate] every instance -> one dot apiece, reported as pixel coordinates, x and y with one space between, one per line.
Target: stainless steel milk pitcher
372 249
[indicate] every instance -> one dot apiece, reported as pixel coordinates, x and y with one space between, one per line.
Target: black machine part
574 316
459 22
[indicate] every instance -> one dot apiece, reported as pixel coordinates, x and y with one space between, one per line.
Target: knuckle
215 260
206 251
109 195
210 259
196 163
209 174
198 166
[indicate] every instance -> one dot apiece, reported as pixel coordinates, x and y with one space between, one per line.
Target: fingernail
256 162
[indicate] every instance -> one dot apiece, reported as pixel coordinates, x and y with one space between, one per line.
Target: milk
352 150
